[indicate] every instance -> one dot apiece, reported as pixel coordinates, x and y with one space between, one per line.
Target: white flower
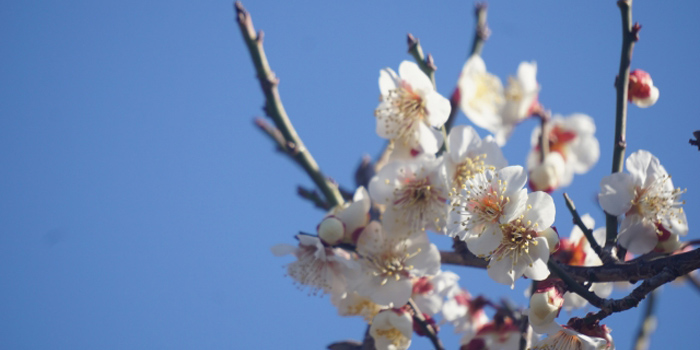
410 109
465 313
522 250
495 336
429 292
481 95
545 305
321 268
550 174
389 263
646 196
353 304
642 91
415 194
521 94
392 330
346 221
573 138
569 339
577 251
469 155
488 200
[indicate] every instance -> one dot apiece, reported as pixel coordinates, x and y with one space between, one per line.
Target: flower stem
427 328
275 110
629 37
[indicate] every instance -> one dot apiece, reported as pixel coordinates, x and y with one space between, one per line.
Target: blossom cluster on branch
371 251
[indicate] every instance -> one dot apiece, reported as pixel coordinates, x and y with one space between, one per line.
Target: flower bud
546 175
642 91
545 305
331 230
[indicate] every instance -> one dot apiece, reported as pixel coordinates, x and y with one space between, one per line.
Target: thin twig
605 256
275 110
574 286
314 197
481 33
629 37
427 65
427 328
648 325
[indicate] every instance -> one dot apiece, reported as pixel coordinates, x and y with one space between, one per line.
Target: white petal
540 255
427 262
586 151
428 138
487 242
616 193
461 139
501 271
282 249
438 108
543 210
387 81
393 292
639 163
637 235
515 178
411 74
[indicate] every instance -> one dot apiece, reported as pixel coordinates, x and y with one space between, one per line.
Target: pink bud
642 91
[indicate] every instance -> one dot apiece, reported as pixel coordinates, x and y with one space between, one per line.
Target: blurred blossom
642 91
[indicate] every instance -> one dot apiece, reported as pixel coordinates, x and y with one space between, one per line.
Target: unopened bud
642 91
545 306
546 175
331 230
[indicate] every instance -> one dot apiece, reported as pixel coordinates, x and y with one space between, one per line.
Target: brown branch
605 256
427 328
275 110
629 37
635 270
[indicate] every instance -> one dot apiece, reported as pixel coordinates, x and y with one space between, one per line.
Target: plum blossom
468 155
488 200
481 95
414 193
545 304
652 206
577 251
392 329
524 247
496 335
410 109
642 91
429 293
569 339
353 304
347 220
465 313
321 268
520 96
573 138
390 261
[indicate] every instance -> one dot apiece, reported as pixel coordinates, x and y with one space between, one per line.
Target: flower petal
616 193
637 235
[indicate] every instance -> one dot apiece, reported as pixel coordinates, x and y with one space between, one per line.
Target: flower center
658 200
419 200
394 335
404 109
390 265
468 169
518 236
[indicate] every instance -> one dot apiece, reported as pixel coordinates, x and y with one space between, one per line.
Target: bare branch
275 110
605 256
427 328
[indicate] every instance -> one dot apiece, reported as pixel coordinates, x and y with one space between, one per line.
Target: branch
624 271
275 110
605 256
427 328
481 33
629 37
427 65
648 323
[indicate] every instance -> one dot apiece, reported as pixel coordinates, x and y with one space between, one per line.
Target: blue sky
138 202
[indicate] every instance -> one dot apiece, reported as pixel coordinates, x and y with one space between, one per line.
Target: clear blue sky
138 202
